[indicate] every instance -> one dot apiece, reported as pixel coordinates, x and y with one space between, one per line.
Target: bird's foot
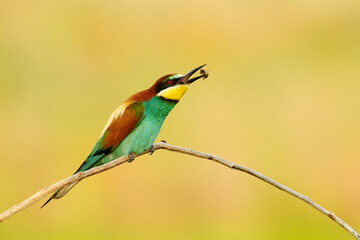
152 150
132 157
163 141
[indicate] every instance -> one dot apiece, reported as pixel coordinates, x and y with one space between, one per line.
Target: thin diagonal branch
162 145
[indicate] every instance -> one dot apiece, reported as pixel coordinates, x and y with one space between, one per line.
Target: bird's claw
152 150
131 157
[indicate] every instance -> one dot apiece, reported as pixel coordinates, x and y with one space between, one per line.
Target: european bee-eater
133 127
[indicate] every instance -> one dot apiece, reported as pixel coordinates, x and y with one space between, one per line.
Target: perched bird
133 127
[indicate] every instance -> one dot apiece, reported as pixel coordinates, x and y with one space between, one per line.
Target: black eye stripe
168 82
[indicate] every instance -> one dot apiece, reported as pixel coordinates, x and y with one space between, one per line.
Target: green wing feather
124 120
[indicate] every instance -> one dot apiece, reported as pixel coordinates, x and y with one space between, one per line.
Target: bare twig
162 145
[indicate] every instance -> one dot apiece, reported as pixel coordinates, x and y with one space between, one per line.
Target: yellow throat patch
174 93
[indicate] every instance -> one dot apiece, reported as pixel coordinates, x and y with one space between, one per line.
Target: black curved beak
187 80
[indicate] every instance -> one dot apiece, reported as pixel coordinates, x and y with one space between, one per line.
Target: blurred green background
282 98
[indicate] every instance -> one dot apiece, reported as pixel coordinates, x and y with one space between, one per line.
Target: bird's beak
187 80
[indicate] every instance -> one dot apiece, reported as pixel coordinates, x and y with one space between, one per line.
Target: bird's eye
170 82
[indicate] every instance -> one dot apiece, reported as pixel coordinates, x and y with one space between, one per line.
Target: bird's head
173 86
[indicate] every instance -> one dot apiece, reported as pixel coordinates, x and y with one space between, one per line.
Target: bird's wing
123 120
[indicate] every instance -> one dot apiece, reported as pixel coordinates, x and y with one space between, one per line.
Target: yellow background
282 98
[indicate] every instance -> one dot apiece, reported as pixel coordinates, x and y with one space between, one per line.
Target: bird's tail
61 192
87 164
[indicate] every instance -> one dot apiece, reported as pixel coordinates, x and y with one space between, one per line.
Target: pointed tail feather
90 162
61 192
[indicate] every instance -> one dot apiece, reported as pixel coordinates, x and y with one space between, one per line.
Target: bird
134 125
